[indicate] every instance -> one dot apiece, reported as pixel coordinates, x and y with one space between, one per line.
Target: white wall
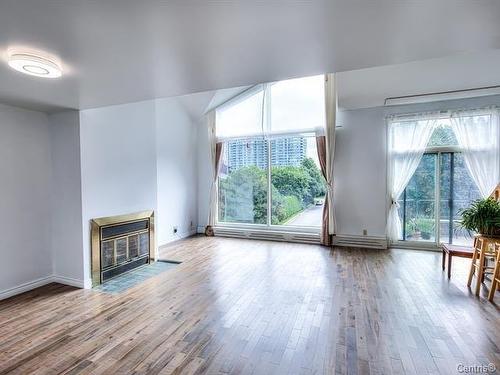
66 228
177 167
359 172
118 164
62 170
25 170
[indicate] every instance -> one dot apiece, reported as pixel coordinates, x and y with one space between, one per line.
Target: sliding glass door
431 202
441 185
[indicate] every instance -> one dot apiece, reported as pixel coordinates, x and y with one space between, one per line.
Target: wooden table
457 251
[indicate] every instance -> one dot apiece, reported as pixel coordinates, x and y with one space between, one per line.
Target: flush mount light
34 65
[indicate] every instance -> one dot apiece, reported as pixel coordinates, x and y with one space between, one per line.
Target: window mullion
450 201
437 197
266 128
404 214
269 184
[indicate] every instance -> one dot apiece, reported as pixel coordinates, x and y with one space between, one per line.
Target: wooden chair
482 250
495 280
496 193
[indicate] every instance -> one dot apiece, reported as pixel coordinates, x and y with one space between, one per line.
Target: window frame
268 136
438 151
268 225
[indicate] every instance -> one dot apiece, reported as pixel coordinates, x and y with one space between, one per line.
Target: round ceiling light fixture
34 65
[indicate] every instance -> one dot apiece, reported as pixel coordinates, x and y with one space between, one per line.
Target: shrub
291 205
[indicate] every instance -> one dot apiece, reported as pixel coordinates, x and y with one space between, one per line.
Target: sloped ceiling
119 51
370 87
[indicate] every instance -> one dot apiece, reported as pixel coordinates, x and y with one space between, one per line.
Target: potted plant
483 217
426 226
412 230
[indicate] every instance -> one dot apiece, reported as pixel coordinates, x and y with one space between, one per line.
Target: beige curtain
215 158
331 117
321 147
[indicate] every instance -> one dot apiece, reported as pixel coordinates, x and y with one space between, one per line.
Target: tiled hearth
133 278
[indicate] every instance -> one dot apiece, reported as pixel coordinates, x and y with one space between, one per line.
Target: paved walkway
310 217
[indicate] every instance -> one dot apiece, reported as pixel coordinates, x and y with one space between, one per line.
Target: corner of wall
66 202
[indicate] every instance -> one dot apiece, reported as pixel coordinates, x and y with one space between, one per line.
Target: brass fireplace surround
107 223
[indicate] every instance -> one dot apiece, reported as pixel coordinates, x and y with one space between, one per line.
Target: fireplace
120 244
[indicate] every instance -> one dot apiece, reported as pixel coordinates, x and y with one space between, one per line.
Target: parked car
319 201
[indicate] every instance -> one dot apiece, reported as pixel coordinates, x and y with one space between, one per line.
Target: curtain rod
440 114
408 98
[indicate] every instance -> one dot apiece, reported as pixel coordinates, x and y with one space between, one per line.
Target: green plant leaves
483 216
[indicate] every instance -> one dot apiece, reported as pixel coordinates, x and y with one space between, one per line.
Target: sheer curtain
478 136
407 140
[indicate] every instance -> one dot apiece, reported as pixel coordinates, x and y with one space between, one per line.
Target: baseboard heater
370 242
270 235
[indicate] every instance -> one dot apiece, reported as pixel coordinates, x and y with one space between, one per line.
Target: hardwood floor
240 306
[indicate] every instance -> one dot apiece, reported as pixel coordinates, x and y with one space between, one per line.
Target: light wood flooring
254 307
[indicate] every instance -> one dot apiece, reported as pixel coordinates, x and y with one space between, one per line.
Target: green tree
290 180
317 186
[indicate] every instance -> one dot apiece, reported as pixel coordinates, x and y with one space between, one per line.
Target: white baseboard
351 240
25 287
200 229
68 281
177 237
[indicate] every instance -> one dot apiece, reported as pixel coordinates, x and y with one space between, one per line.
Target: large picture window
270 173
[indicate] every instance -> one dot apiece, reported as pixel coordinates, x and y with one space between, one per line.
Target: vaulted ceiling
119 51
